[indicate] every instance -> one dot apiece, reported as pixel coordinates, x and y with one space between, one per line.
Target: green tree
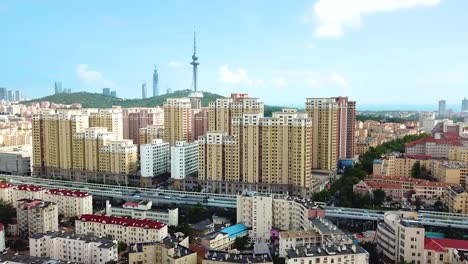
322 196
371 248
241 243
6 212
121 247
418 203
378 197
416 170
197 213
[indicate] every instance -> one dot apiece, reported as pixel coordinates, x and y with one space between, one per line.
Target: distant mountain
97 100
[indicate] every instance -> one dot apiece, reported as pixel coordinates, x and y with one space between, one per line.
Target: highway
157 196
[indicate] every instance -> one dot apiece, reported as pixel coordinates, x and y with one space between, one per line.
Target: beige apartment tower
177 120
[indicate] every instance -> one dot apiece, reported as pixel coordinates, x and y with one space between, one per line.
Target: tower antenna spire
195 62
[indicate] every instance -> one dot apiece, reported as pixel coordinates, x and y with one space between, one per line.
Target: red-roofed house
442 250
394 190
70 202
5 191
430 146
120 228
24 191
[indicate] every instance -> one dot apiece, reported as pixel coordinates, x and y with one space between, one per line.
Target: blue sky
391 52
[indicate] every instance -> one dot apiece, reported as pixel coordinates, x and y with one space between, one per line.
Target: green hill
96 100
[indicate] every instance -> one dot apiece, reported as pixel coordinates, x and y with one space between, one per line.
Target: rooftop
105 242
14 258
231 232
325 227
171 241
68 193
29 188
202 225
23 150
4 185
237 258
431 139
297 234
324 250
384 185
113 220
441 244
31 204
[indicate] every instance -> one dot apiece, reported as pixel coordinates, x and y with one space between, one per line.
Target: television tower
195 62
155 81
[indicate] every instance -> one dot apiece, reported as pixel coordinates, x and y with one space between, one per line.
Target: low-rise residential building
294 239
442 250
5 191
456 199
435 147
15 258
173 249
16 160
74 248
122 229
397 164
36 216
154 158
400 238
30 192
328 253
224 238
184 159
458 154
2 237
70 203
223 257
393 190
143 210
450 171
202 228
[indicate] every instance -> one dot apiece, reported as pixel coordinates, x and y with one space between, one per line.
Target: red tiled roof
433 184
113 220
431 139
424 157
441 244
4 185
68 193
30 188
417 182
384 185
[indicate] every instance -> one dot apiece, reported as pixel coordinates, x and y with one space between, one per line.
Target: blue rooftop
235 230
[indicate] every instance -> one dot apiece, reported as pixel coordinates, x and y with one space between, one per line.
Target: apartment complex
450 171
143 210
82 145
268 153
400 165
458 154
333 122
121 228
177 120
329 253
16 160
154 158
21 192
435 147
70 203
73 248
36 216
173 249
223 257
149 133
184 159
14 136
456 199
134 119
223 110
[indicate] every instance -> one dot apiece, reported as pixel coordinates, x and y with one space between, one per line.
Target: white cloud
333 16
237 76
310 46
337 79
311 81
175 64
279 82
92 77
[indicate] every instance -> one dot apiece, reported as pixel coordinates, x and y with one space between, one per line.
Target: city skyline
355 53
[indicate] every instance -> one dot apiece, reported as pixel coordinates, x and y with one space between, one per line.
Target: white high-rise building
184 159
154 158
73 248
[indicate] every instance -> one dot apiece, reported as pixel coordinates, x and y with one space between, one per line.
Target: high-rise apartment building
442 108
155 82
11 96
18 96
346 127
177 120
154 158
113 93
184 159
464 107
199 123
112 119
273 152
106 91
135 119
58 87
149 133
221 112
143 91
36 216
